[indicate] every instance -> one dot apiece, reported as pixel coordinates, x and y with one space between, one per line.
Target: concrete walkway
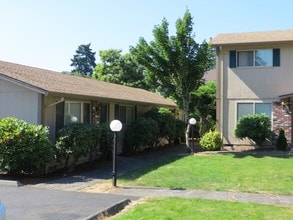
267 199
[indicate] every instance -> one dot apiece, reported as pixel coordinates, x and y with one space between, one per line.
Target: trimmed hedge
24 148
256 127
77 140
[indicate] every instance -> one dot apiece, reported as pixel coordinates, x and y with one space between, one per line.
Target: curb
113 210
10 183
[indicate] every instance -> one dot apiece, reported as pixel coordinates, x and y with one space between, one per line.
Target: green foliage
140 133
282 141
179 131
147 130
175 65
24 148
106 141
120 69
211 141
78 140
84 60
203 106
165 120
256 127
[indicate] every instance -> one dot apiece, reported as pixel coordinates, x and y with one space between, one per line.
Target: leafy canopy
119 69
175 64
84 60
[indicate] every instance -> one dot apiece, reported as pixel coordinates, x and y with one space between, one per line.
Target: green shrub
256 127
142 132
24 148
106 141
77 140
211 141
169 127
179 131
281 141
147 130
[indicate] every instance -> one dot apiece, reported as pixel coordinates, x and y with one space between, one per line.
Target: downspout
221 73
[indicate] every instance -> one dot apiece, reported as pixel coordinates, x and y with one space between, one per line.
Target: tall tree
120 69
175 64
84 60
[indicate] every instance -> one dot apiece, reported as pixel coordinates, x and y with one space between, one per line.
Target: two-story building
254 75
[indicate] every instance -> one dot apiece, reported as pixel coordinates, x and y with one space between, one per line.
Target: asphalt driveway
34 203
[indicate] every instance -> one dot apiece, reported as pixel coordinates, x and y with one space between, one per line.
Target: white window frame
254 54
81 110
253 110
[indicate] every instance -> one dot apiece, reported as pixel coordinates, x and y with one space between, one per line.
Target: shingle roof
284 36
52 82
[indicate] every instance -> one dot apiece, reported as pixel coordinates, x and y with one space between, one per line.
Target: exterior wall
282 119
20 102
249 84
49 115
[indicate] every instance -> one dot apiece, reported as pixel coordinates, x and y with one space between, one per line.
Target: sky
46 33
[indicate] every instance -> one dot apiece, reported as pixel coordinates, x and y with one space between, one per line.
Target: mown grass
178 208
219 172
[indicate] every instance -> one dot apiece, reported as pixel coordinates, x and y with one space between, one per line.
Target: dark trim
232 59
276 57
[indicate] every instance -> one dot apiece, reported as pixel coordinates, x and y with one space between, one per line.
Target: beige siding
249 84
49 116
19 102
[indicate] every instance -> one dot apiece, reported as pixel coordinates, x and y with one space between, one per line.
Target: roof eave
23 84
250 43
108 99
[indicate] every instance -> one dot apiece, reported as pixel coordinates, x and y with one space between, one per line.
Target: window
255 58
104 113
263 57
125 113
77 112
253 108
245 58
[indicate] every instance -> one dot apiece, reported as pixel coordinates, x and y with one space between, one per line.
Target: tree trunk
186 115
187 138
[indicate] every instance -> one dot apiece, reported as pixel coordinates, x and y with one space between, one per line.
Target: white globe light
115 125
74 119
192 121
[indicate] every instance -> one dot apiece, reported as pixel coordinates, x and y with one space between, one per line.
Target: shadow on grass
261 154
134 174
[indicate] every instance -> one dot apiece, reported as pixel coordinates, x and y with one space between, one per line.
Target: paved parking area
33 203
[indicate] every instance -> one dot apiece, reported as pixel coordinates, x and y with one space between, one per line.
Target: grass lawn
220 172
178 208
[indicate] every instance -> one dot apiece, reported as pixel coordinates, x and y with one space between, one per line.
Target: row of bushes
26 149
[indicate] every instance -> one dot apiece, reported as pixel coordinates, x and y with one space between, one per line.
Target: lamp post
192 122
115 126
